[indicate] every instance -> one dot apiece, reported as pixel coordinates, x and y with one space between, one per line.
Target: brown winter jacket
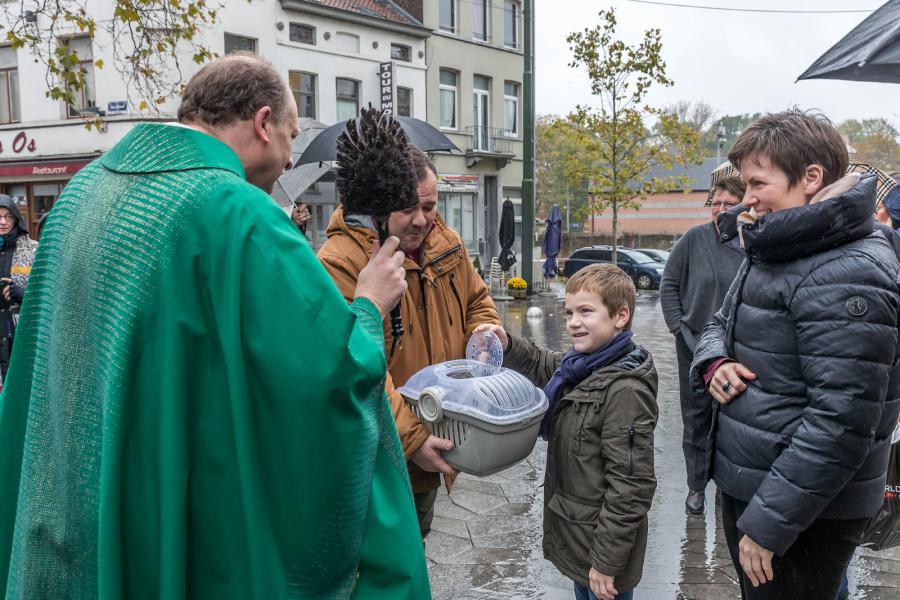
600 481
444 302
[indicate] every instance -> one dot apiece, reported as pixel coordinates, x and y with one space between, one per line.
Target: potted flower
517 287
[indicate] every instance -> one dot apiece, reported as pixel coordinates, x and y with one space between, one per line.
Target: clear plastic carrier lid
483 392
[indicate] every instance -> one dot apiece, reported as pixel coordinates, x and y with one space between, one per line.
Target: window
9 86
458 212
510 24
347 99
482 113
404 102
401 52
481 19
303 33
234 43
448 99
511 108
447 15
303 85
347 42
85 98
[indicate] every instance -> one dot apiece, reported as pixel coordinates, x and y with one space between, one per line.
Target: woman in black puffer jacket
811 323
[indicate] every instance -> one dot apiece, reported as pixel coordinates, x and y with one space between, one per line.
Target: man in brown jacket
444 302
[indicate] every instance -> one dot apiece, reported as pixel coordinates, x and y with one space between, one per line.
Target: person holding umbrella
444 302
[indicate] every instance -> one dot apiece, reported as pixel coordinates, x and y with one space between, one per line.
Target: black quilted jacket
814 313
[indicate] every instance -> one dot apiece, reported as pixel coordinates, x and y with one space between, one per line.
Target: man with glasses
700 268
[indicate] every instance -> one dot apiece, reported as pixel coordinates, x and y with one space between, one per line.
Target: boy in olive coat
599 481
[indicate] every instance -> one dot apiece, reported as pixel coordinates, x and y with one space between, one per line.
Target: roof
698 175
379 9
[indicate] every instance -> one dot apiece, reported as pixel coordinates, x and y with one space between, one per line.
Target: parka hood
21 227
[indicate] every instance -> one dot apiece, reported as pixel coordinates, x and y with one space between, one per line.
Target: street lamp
721 138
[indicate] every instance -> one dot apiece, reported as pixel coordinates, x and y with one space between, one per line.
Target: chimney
413 7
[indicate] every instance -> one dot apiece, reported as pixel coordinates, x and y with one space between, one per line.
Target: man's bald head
233 88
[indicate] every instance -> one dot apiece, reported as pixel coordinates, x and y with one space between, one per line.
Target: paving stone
442 548
454 527
477 485
477 502
451 510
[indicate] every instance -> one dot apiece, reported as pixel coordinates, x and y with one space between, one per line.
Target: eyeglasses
9 218
727 205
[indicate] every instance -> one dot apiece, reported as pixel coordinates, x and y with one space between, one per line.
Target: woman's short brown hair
612 284
733 185
793 140
233 88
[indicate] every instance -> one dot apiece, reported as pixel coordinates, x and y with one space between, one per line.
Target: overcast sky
737 62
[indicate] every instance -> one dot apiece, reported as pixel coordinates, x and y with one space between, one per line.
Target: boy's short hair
794 140
612 284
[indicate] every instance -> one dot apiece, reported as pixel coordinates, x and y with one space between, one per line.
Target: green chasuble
192 410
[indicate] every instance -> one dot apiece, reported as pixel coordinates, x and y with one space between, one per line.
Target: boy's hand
728 381
497 330
602 585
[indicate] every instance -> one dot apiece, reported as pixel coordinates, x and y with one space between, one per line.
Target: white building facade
331 56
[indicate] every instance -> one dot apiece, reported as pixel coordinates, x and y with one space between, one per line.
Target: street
486 537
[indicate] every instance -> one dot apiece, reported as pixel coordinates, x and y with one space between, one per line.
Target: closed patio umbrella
551 243
507 236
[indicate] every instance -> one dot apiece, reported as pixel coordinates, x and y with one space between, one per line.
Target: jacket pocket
571 526
459 302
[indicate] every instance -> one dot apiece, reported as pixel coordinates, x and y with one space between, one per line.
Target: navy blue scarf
575 368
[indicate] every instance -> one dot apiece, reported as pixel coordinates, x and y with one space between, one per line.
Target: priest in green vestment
192 410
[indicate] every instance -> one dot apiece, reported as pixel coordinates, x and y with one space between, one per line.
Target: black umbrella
422 135
871 52
507 236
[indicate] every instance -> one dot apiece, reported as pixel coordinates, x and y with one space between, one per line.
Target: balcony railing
489 140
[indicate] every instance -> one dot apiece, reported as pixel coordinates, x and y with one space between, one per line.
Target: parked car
644 271
656 254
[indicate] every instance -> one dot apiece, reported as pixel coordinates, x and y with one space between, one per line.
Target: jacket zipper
455 295
443 255
631 450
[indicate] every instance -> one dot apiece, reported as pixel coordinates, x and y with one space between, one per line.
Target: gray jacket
813 313
600 480
699 271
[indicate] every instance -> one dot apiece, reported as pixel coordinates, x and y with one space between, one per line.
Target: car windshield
638 257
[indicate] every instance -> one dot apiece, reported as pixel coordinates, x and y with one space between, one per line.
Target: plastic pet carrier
491 414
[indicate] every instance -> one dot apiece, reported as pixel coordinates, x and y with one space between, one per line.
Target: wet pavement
486 537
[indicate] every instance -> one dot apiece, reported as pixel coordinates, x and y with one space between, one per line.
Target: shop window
458 211
303 86
234 43
85 99
9 86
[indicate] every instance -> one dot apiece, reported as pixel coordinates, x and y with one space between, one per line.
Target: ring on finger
726 387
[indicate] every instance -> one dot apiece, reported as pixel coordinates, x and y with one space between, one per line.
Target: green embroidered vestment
192 410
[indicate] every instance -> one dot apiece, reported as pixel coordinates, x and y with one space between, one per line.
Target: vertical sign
386 76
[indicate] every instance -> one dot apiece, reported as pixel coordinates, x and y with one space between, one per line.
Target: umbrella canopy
507 236
289 186
422 135
552 242
871 52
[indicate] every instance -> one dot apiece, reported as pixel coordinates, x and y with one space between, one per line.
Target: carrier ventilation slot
449 429
506 390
